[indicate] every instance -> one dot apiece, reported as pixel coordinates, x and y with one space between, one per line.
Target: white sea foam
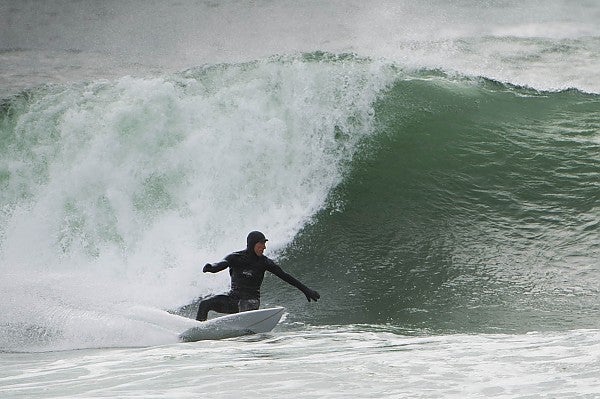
119 192
326 362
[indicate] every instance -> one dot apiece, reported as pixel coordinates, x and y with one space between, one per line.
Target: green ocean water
475 209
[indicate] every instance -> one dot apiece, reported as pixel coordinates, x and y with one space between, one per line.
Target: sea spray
116 192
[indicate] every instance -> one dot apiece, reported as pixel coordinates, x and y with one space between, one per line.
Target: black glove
206 268
311 295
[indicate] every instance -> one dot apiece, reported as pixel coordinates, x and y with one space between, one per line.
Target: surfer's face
260 247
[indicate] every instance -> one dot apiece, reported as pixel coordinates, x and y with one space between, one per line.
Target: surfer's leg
217 303
248 304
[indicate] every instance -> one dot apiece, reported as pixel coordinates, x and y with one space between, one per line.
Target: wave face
407 198
474 209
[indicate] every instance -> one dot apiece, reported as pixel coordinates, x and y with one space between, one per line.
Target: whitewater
431 168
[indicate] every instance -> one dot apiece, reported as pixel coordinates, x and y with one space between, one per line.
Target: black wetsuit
247 271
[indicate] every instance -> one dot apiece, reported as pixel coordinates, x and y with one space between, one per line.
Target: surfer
247 270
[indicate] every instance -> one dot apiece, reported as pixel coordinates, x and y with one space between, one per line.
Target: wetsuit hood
253 238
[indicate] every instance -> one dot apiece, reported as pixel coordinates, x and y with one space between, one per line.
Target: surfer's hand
206 268
311 295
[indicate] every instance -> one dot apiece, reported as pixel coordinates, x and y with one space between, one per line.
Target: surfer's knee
203 308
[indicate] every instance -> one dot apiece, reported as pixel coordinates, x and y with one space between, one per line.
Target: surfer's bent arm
288 278
216 267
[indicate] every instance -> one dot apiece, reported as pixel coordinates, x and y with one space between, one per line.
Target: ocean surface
431 168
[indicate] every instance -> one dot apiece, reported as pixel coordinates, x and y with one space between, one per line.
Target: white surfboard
234 325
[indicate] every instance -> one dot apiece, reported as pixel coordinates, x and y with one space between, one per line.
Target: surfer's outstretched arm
311 295
215 268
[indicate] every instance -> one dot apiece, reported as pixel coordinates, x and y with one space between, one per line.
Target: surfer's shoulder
236 256
270 263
